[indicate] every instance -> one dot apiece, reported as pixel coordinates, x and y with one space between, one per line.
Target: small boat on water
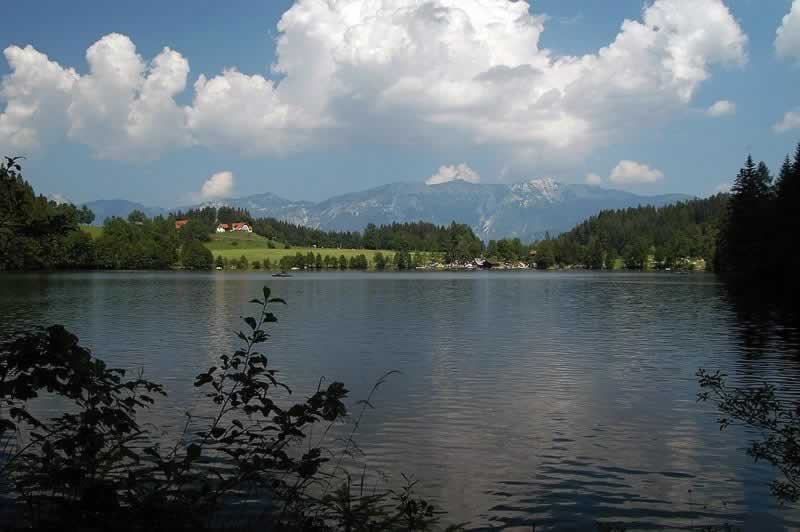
281 274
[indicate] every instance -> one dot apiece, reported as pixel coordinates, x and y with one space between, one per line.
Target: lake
523 397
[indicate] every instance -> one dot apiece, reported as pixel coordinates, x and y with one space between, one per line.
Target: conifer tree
784 176
744 242
787 211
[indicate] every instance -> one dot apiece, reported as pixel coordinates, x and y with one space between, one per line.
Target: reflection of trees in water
762 395
767 318
19 292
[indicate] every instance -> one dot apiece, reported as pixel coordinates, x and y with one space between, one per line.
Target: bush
195 256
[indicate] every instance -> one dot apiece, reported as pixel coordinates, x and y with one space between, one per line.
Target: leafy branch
762 409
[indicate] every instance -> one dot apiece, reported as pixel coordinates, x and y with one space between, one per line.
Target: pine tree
787 212
784 177
743 245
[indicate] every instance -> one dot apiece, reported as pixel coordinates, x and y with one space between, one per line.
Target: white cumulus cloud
219 185
791 120
410 71
721 108
593 179
37 94
632 173
449 173
123 108
787 40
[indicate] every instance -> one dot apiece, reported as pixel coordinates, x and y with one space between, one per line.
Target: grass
94 231
255 247
221 242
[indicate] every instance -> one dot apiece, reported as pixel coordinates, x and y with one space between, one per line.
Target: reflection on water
555 399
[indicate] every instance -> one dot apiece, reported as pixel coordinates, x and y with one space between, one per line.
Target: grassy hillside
223 242
255 247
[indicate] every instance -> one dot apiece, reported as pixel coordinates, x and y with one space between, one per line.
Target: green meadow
257 248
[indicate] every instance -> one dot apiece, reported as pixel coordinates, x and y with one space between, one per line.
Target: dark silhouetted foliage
762 221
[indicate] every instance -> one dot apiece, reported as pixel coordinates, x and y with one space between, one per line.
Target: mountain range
526 210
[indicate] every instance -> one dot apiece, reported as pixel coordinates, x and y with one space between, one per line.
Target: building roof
180 223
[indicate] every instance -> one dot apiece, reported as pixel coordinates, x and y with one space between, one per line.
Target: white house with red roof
236 226
241 226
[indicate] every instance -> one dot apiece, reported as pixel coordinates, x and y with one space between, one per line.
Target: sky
172 103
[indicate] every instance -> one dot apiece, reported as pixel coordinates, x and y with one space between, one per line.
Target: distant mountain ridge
526 210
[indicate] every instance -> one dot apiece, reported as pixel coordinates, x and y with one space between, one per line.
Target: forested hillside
659 236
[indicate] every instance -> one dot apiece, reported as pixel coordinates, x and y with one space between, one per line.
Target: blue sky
365 96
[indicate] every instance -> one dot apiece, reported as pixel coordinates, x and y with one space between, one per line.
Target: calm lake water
525 397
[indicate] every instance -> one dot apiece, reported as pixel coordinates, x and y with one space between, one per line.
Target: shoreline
419 270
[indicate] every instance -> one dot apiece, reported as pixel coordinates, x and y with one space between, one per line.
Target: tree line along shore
744 231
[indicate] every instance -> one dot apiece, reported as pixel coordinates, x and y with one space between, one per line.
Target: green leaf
251 321
267 292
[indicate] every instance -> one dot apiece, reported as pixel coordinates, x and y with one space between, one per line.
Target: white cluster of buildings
236 226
